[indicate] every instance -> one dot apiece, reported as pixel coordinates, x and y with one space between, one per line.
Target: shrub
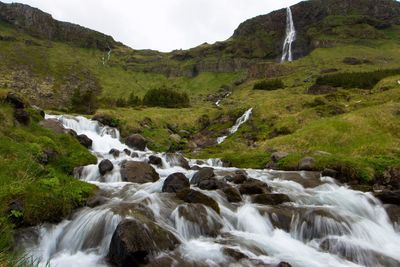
166 97
363 80
85 103
269 85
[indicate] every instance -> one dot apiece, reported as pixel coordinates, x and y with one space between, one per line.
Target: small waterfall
290 37
244 118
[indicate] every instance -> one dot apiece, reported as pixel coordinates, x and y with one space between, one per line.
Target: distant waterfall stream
243 119
317 221
290 37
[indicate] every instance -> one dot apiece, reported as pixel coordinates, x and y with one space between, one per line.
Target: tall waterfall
290 37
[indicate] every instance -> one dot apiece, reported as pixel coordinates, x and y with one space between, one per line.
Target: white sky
159 24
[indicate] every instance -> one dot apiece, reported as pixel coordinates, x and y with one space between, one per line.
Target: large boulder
203 174
307 164
175 182
136 241
271 199
212 184
154 160
138 172
136 141
193 196
253 187
176 159
15 100
232 194
389 197
105 166
85 141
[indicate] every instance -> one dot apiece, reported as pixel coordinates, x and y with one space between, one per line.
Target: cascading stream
290 37
327 225
242 119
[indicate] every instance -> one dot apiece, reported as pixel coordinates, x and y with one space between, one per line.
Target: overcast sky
159 24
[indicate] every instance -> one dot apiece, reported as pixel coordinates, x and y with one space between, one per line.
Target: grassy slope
46 193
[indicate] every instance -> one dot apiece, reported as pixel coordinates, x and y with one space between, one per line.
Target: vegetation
166 97
269 85
85 103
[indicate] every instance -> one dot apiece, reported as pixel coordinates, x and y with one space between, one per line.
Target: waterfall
326 225
244 118
290 37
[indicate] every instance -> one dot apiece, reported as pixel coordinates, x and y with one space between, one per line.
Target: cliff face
42 25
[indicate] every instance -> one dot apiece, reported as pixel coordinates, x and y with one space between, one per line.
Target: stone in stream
127 152
307 164
138 172
283 264
389 197
193 196
205 173
84 140
271 199
136 141
175 182
105 166
114 152
154 160
232 194
136 241
253 187
176 159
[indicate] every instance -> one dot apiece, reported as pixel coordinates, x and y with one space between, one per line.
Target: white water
243 119
329 225
290 37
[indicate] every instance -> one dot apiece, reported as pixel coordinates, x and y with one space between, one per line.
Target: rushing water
290 37
242 119
325 224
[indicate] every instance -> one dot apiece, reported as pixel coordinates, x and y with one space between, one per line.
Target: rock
317 89
114 152
390 178
235 254
203 174
212 184
78 171
136 141
105 119
105 166
389 197
193 196
15 100
198 218
85 141
127 151
175 182
96 201
330 173
307 164
239 178
39 111
155 161
253 187
53 125
47 156
283 264
271 199
175 138
22 116
232 194
277 156
306 179
138 172
176 159
135 241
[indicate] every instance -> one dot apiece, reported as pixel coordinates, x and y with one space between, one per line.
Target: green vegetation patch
269 85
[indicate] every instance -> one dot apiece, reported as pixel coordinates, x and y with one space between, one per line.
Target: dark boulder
85 141
136 141
212 184
15 100
127 151
271 199
277 156
389 197
22 116
232 194
135 241
138 172
175 182
47 156
253 187
283 264
203 174
155 160
330 173
176 159
307 164
114 152
105 119
193 196
105 166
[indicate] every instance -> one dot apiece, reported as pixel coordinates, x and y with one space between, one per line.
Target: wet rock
393 212
203 174
77 172
175 182
193 196
114 152
330 173
96 201
136 141
235 254
22 116
195 168
176 159
15 100
239 178
271 199
85 141
307 164
212 184
138 172
136 210
390 179
155 161
200 221
232 194
283 264
127 151
105 119
253 187
135 241
105 166
277 156
389 197
134 155
306 179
